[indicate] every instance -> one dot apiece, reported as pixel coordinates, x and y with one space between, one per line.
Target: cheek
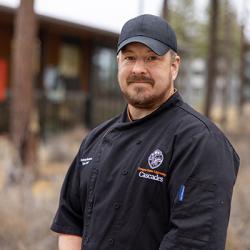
121 79
162 76
122 74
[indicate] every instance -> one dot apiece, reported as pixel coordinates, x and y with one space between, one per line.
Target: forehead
136 47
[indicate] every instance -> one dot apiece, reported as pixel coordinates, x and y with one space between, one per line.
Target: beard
140 96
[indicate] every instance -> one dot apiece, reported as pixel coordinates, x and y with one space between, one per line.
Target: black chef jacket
162 182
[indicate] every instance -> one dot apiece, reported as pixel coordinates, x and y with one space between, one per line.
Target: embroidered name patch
86 161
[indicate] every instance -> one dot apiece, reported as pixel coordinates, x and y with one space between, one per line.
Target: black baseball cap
153 31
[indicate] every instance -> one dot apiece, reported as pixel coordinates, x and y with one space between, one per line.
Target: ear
118 57
175 65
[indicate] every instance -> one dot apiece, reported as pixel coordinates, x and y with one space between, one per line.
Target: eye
151 58
129 58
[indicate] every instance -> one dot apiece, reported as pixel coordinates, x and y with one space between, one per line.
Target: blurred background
58 80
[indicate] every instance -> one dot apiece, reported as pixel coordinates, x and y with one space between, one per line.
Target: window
69 61
104 73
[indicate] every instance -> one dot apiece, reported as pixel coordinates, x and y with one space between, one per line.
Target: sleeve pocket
193 216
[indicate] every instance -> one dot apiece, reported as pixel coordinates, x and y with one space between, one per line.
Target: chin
141 101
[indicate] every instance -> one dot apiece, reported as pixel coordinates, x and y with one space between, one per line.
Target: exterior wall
85 65
50 48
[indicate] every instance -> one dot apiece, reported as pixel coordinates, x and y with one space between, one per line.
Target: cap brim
158 47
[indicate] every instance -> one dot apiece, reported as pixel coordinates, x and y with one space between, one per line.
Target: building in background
75 72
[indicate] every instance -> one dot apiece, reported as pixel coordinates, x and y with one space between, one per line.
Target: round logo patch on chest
155 159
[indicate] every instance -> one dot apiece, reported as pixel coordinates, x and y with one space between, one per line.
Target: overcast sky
108 14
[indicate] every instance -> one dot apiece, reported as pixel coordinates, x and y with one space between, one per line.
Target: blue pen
181 193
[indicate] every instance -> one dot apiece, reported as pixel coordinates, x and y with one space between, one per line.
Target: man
158 176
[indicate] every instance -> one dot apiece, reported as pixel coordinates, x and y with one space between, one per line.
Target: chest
123 161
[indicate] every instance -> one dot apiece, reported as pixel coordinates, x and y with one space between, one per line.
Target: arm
206 166
69 242
69 216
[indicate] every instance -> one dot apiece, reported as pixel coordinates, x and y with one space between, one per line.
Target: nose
139 67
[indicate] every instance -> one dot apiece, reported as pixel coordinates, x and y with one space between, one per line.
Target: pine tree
23 115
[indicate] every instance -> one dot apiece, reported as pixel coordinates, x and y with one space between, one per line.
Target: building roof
54 25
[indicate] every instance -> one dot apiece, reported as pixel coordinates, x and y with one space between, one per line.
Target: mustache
140 78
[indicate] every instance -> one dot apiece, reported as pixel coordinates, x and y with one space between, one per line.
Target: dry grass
27 210
25 220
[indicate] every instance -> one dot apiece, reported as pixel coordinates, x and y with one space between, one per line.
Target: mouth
140 80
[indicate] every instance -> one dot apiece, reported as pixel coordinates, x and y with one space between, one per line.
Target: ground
26 210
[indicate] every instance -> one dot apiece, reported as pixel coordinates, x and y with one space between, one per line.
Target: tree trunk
243 67
212 57
23 113
165 12
227 41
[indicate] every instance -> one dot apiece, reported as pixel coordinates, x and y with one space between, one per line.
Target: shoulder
203 147
191 123
195 127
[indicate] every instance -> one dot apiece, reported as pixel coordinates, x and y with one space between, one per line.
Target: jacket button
116 205
124 172
91 203
111 242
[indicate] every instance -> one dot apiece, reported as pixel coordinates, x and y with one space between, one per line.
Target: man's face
145 78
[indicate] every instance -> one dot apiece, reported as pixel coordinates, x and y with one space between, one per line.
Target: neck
138 113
